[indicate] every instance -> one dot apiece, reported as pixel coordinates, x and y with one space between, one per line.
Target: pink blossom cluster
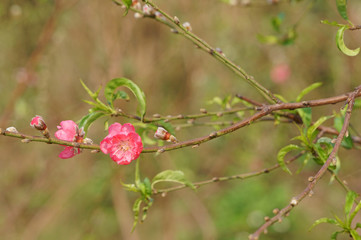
122 143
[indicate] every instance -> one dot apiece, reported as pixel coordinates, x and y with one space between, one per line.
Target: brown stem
313 180
264 110
221 179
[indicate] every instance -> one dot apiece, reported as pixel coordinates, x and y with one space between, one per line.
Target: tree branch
313 180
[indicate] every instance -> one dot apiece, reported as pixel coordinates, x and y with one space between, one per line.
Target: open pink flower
69 131
122 144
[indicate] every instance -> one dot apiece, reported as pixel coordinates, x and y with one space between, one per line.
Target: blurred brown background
47 46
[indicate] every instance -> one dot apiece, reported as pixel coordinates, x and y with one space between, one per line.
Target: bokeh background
47 46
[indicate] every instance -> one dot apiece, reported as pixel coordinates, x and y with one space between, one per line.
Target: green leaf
121 95
334 23
347 141
172 176
355 235
126 3
145 209
277 21
138 182
340 222
306 115
88 119
341 7
148 186
325 140
136 209
334 235
130 187
290 36
357 103
280 97
268 39
91 94
353 214
341 44
138 93
358 225
350 198
323 220
307 90
316 125
282 153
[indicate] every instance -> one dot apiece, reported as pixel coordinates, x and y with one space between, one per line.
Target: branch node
294 202
213 135
311 179
215 179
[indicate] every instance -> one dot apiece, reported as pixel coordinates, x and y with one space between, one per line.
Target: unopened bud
163 134
94 151
157 115
203 110
138 15
275 211
187 26
12 130
38 123
162 150
173 30
310 194
220 51
87 141
176 20
294 202
136 5
26 140
148 10
159 15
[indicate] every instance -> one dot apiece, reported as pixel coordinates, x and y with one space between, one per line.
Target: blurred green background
47 46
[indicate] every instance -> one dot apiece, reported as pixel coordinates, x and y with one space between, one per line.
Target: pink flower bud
163 134
148 10
280 73
38 123
187 26
136 5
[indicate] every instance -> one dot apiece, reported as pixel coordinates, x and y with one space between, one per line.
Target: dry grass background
44 197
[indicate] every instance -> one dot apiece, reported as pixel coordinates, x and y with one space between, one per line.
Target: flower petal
67 130
68 152
128 128
114 129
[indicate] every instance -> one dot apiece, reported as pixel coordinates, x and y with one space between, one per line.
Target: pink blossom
280 73
69 131
122 143
38 123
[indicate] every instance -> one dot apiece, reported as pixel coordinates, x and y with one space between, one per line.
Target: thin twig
313 180
29 138
221 179
263 111
202 44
